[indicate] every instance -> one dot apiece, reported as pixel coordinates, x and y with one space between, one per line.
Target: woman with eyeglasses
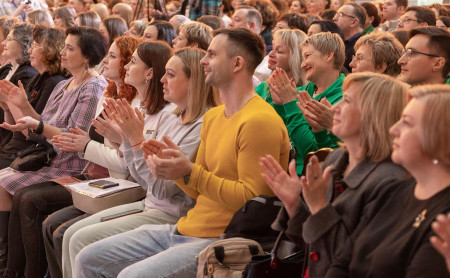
44 57
377 52
47 44
71 104
17 68
27 242
15 50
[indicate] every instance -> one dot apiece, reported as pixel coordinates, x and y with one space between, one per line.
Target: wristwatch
40 128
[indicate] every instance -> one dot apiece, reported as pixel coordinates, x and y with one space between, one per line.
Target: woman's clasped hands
318 114
282 89
75 141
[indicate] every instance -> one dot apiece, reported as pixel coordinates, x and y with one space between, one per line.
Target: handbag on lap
271 266
34 157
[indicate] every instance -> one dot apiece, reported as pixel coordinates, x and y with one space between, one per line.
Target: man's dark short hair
438 43
423 14
401 3
245 43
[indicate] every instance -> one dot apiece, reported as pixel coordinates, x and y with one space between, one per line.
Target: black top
94 135
395 240
350 50
39 89
267 37
5 70
348 199
23 73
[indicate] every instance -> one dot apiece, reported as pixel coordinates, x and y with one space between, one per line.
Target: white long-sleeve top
104 154
164 195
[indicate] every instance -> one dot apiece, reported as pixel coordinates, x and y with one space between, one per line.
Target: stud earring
435 161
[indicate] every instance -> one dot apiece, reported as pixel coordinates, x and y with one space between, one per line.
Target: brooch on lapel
419 218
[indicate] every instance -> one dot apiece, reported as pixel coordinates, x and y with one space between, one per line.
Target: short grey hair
23 34
358 12
253 15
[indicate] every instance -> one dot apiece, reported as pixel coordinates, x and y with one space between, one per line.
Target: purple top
64 109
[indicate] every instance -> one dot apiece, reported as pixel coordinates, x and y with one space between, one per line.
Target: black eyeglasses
409 53
340 14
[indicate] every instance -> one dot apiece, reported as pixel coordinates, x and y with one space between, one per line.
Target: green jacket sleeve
300 133
326 140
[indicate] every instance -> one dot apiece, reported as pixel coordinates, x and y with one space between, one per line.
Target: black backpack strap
253 249
219 251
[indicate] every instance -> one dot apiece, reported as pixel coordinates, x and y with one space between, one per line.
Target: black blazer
348 199
23 73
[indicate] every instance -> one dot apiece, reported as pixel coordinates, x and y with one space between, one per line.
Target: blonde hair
293 38
386 49
381 100
326 42
435 137
198 33
40 17
200 96
139 26
125 12
101 9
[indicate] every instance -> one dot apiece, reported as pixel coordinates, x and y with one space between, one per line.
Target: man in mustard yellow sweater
224 176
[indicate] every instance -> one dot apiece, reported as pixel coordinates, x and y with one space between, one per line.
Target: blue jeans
148 251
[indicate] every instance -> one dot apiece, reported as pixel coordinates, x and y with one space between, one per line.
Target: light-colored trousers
91 229
148 251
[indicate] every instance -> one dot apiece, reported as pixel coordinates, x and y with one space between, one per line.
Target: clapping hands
165 159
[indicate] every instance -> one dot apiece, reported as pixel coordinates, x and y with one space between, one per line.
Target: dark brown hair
423 14
372 10
155 55
245 43
296 21
439 40
116 26
93 45
52 42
